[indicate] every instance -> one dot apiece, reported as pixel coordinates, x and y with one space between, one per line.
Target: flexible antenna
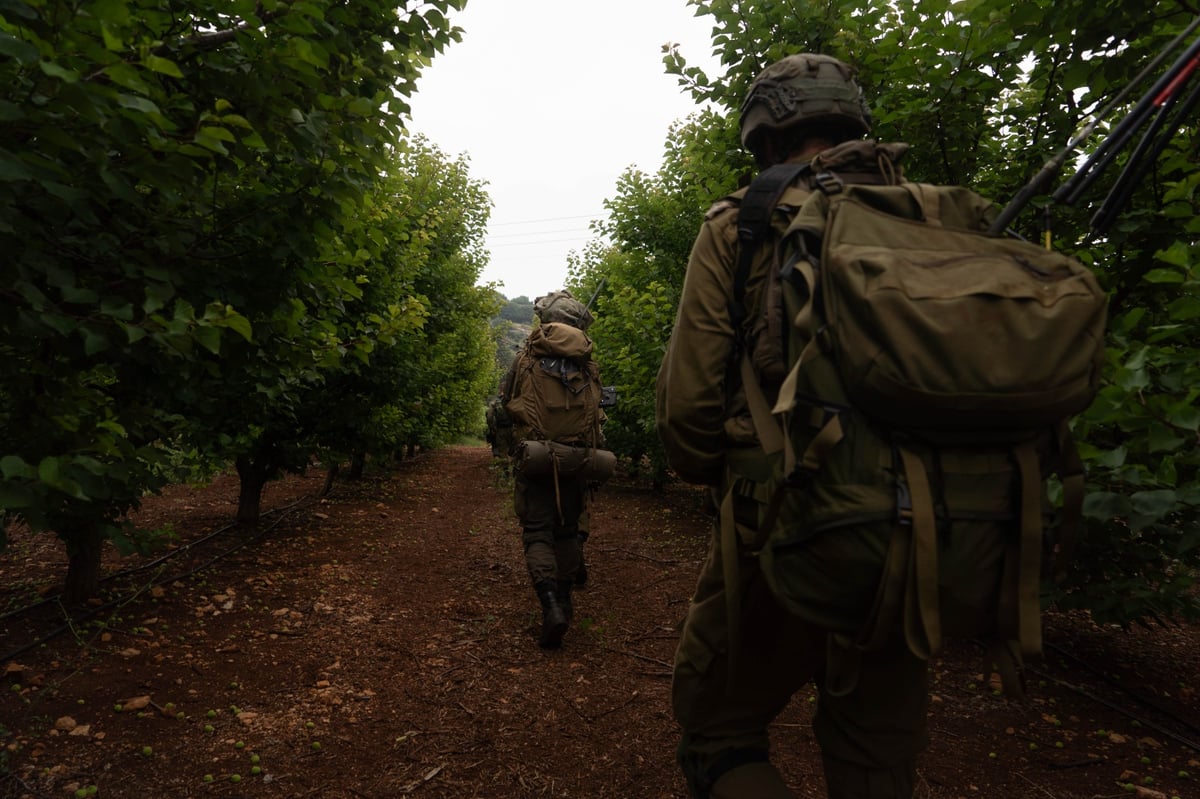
1052 167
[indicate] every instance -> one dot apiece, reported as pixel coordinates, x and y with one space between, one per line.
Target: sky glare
551 101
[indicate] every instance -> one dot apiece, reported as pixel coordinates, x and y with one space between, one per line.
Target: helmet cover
803 88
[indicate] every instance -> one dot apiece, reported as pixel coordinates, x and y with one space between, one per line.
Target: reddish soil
380 642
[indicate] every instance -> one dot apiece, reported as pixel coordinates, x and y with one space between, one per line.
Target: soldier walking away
869 734
552 395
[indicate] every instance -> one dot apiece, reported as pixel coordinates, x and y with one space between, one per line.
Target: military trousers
869 737
549 511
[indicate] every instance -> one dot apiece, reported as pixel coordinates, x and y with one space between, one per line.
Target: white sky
551 101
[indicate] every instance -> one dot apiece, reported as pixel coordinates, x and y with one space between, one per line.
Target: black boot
554 619
563 595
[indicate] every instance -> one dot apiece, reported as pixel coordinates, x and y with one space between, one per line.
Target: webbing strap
770 436
730 573
1019 595
881 622
1029 608
754 220
929 202
557 494
803 323
922 620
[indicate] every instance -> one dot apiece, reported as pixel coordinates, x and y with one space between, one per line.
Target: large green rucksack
555 393
919 399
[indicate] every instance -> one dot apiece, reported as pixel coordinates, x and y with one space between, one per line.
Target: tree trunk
358 464
330 476
84 550
253 477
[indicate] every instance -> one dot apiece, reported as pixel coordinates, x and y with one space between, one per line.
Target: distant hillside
518 310
512 324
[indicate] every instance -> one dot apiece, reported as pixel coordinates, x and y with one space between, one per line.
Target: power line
546 219
539 233
530 243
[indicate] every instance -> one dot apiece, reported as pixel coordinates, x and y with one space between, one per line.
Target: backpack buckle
829 182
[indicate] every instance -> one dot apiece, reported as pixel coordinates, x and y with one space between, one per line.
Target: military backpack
911 379
555 393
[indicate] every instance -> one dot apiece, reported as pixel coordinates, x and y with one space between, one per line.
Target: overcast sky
551 101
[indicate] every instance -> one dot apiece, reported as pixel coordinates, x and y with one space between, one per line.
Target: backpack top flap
557 392
938 326
558 338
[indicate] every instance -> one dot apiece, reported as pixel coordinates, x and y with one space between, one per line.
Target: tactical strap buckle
829 182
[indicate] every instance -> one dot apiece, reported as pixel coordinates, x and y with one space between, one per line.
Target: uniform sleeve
691 392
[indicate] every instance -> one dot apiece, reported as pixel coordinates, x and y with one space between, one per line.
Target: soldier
733 676
499 428
552 393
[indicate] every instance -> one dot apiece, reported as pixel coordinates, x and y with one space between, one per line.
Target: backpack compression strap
754 221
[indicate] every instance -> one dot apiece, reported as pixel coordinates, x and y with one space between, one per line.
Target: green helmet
803 88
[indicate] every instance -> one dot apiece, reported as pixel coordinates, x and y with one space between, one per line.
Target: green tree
419 315
651 224
987 92
171 180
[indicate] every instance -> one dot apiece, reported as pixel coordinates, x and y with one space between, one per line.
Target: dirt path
381 643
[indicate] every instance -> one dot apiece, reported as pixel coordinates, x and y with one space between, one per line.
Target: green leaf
79 296
1187 417
206 139
1113 458
112 40
1163 438
62 73
117 307
17 49
13 466
123 74
1178 254
362 106
209 338
135 103
214 132
162 66
17 8
1154 504
48 470
93 342
239 324
1163 276
1185 309
13 168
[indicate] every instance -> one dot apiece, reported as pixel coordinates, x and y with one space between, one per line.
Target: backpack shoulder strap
754 220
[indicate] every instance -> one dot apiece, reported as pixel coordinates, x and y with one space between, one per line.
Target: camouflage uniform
870 736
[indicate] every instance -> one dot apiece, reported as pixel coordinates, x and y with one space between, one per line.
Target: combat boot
563 595
554 619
